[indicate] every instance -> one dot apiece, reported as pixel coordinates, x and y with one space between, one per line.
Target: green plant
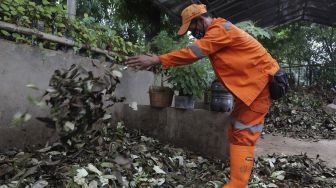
86 32
255 31
211 76
190 80
160 44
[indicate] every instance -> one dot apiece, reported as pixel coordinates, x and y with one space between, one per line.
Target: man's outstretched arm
175 58
215 39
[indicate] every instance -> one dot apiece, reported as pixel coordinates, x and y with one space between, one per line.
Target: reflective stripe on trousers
248 121
251 128
244 135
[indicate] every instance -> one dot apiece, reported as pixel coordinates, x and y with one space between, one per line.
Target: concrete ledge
25 137
199 130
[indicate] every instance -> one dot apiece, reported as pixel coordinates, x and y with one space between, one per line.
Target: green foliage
164 43
255 31
136 20
161 44
52 18
307 50
99 9
189 80
289 45
144 19
25 13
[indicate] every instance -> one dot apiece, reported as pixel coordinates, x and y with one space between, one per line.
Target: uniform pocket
260 106
262 103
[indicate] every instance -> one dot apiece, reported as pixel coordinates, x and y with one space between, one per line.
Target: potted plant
190 82
161 95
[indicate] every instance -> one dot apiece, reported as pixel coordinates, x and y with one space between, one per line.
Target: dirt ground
326 149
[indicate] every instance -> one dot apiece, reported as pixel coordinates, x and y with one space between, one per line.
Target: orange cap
189 13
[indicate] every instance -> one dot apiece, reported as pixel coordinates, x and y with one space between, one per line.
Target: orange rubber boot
241 164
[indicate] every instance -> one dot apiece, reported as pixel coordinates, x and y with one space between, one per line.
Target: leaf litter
115 156
301 115
118 161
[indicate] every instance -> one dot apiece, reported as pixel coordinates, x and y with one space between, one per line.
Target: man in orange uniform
244 67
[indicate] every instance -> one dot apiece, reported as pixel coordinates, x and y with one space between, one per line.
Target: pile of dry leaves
301 114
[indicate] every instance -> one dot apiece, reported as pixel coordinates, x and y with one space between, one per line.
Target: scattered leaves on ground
117 157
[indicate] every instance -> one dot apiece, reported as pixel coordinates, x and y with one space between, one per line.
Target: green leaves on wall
52 18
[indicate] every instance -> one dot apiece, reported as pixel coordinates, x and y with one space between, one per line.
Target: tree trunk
71 8
298 82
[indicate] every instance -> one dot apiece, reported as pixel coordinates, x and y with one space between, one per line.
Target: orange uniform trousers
247 121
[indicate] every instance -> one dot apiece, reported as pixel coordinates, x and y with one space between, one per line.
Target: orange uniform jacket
240 61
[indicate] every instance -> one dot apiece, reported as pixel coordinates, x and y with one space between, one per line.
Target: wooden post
71 8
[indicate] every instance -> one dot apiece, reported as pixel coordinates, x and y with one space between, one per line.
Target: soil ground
326 149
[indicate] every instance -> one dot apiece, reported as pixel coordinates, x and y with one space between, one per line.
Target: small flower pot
184 102
160 97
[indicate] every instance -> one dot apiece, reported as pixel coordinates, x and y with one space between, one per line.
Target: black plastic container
221 99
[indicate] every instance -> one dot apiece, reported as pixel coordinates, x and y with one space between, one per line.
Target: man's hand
142 62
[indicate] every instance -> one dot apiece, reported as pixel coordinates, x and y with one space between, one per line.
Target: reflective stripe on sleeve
227 25
196 50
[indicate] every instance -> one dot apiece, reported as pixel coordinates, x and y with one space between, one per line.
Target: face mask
197 33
